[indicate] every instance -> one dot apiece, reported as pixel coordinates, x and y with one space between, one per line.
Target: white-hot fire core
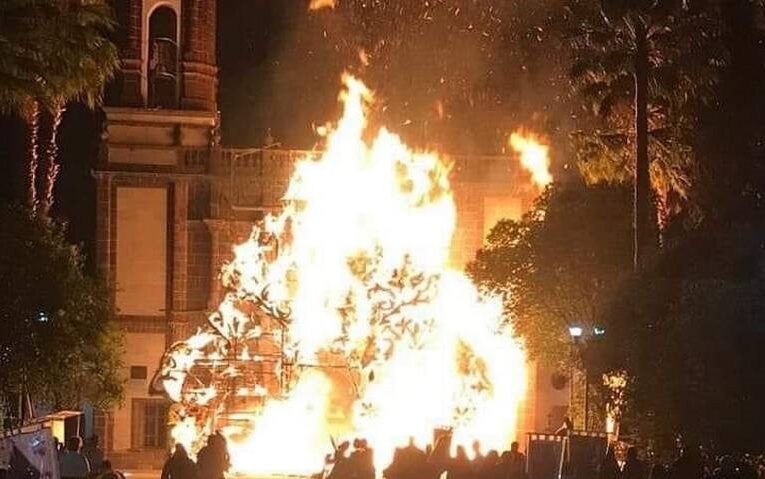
362 264
534 155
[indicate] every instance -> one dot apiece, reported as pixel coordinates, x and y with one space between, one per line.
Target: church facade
172 201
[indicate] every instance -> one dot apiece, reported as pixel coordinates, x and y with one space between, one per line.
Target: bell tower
153 198
168 54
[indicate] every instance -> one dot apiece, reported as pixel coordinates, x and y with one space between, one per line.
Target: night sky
449 73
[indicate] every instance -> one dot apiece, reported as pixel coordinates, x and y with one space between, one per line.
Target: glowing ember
342 320
319 4
534 155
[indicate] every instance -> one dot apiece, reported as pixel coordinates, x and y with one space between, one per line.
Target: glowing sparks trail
341 319
534 155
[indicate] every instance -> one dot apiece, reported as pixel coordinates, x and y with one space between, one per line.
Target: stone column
200 73
130 69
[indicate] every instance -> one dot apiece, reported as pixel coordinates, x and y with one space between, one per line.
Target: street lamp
575 332
577 335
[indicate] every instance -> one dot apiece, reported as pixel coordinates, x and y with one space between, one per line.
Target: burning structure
352 276
344 312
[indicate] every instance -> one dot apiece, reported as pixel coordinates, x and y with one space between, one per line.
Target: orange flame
534 155
363 57
394 343
319 4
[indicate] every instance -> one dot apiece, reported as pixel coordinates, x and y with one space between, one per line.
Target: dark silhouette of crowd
412 462
80 459
691 463
356 461
87 462
359 464
213 461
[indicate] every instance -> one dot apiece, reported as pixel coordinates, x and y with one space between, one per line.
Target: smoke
454 74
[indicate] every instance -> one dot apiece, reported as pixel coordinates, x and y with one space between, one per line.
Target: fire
319 4
342 320
534 155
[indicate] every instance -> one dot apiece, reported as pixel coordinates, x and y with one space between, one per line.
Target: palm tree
83 62
22 33
51 52
643 66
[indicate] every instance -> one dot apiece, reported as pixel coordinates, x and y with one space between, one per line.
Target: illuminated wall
141 273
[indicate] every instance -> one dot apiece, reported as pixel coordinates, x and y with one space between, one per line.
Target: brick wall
247 185
199 269
257 180
133 28
199 64
209 215
468 236
125 89
179 245
200 30
224 235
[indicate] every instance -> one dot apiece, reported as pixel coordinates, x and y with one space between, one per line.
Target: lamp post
578 336
576 332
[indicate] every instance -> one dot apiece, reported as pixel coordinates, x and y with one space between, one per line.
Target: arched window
163 59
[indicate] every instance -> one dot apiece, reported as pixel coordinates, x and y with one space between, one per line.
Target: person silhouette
609 467
634 468
516 466
213 459
179 465
72 463
460 466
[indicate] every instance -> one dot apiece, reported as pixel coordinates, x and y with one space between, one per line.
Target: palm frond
54 51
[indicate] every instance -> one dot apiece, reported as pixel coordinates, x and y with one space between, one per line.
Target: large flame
534 155
347 296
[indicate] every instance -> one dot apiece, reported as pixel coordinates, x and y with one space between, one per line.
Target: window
103 427
163 58
138 372
149 424
155 425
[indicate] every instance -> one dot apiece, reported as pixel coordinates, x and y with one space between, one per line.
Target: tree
59 344
558 263
51 52
644 68
688 331
732 129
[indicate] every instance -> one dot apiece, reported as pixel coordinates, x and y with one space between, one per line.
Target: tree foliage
58 342
558 263
730 153
689 333
54 51
684 56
